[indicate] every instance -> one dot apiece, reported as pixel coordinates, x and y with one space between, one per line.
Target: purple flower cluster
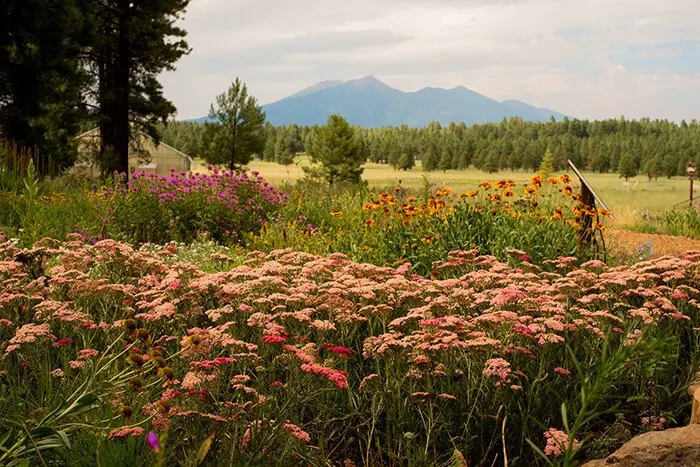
237 189
223 204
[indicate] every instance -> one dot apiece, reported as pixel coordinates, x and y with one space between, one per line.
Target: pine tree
491 162
41 77
135 42
547 165
627 167
430 158
336 147
445 161
406 161
239 130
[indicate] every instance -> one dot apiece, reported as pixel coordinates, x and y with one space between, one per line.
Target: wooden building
144 156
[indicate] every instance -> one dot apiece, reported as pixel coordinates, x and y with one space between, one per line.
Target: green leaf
64 437
86 403
4 440
42 432
204 449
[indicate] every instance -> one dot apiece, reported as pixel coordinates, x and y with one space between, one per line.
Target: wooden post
690 170
588 199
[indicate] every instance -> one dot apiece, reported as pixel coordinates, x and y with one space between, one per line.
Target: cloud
588 58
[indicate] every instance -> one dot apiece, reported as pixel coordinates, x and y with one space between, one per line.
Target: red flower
63 342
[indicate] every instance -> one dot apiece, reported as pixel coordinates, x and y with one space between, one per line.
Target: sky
585 58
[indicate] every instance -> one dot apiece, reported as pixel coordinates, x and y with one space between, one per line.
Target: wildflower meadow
122 356
212 319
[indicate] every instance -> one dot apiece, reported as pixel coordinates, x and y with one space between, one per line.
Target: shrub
684 222
180 207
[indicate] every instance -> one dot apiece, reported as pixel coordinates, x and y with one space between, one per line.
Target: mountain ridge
369 102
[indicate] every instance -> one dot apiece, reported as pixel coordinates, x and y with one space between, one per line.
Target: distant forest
652 147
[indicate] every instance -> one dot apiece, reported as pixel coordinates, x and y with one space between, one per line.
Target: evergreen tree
491 162
547 165
430 157
627 167
406 161
283 153
445 161
135 42
336 147
653 168
271 135
41 77
239 129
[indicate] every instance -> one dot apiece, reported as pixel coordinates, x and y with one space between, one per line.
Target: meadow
631 202
249 318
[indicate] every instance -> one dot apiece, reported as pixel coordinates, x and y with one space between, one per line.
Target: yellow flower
336 213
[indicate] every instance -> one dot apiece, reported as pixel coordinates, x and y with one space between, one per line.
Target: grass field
629 201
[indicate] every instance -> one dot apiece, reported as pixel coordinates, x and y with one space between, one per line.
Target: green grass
629 201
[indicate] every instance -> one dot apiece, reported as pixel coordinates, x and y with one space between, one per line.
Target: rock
695 413
678 447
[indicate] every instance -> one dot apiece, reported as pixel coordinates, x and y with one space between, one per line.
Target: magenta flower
152 441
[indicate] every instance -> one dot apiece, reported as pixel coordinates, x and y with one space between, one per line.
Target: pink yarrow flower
558 442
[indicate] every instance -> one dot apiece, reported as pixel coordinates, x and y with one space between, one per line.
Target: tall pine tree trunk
121 119
114 71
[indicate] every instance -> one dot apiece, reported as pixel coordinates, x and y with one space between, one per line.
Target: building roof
177 151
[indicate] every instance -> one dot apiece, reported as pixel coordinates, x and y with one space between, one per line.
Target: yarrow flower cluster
558 442
238 352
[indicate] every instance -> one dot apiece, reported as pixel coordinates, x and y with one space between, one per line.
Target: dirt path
646 244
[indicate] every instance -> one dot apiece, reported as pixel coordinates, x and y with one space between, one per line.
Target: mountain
317 87
368 102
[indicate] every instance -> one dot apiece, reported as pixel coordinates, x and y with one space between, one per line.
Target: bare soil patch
647 244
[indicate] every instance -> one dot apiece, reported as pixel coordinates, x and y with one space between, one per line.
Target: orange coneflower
443 191
567 190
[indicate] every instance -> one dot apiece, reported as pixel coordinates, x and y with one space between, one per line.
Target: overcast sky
584 58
